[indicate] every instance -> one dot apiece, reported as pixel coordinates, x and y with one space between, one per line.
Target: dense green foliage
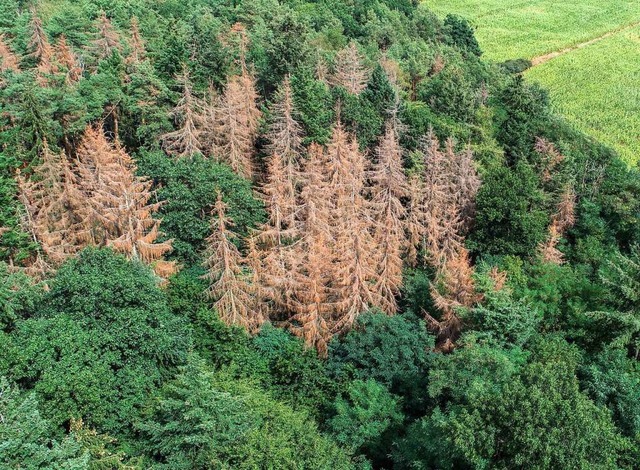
95 345
544 374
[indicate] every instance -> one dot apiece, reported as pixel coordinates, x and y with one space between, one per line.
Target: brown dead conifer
440 217
107 40
551 157
447 203
41 47
499 278
441 214
277 235
230 286
311 297
235 125
354 250
548 250
67 59
392 69
8 60
185 141
454 289
137 51
565 216
466 184
388 187
349 70
285 149
233 118
54 206
561 221
121 212
414 222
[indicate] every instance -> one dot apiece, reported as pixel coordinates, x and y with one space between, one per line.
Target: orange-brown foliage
391 68
441 212
388 187
349 70
498 277
107 40
67 59
186 140
443 208
230 288
41 47
285 151
551 157
234 123
311 300
120 212
561 221
8 60
137 51
454 289
54 206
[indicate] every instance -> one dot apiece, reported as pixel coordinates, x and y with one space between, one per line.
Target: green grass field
597 87
526 29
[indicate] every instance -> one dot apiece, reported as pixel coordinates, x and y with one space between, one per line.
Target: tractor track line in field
541 59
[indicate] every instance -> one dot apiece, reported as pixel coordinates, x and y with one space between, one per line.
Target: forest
303 234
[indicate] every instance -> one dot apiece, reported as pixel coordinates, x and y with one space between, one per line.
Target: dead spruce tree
137 50
8 59
443 207
41 48
233 122
67 60
230 287
349 70
121 214
285 150
441 213
453 289
107 39
388 188
354 251
185 141
55 207
561 221
280 194
312 301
